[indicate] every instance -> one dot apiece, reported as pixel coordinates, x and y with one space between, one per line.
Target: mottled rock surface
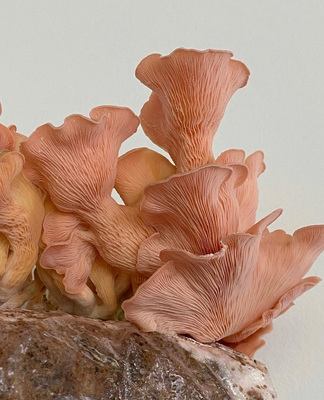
58 356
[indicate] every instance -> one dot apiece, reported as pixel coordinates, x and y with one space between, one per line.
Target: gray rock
51 355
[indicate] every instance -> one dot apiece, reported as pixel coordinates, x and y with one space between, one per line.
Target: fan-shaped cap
190 92
76 162
191 211
195 294
75 165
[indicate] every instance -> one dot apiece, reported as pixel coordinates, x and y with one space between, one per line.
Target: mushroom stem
122 283
118 237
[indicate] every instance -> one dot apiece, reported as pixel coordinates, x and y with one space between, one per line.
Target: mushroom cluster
184 253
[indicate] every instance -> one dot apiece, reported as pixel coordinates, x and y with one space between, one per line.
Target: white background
62 57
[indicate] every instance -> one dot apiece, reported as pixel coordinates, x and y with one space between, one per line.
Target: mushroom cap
190 91
191 211
230 294
76 162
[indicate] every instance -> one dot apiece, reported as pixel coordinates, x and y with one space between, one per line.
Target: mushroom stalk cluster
184 254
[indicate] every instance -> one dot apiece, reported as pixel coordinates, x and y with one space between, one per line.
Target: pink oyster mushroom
191 211
190 91
143 171
22 213
75 164
196 219
194 214
93 295
232 293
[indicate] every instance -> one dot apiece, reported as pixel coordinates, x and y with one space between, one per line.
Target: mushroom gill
190 91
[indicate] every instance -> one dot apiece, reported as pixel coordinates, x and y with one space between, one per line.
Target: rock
51 355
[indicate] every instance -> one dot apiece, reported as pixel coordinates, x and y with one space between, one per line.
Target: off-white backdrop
62 57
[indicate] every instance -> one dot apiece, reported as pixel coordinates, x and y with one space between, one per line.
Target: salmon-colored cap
190 91
192 211
233 293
